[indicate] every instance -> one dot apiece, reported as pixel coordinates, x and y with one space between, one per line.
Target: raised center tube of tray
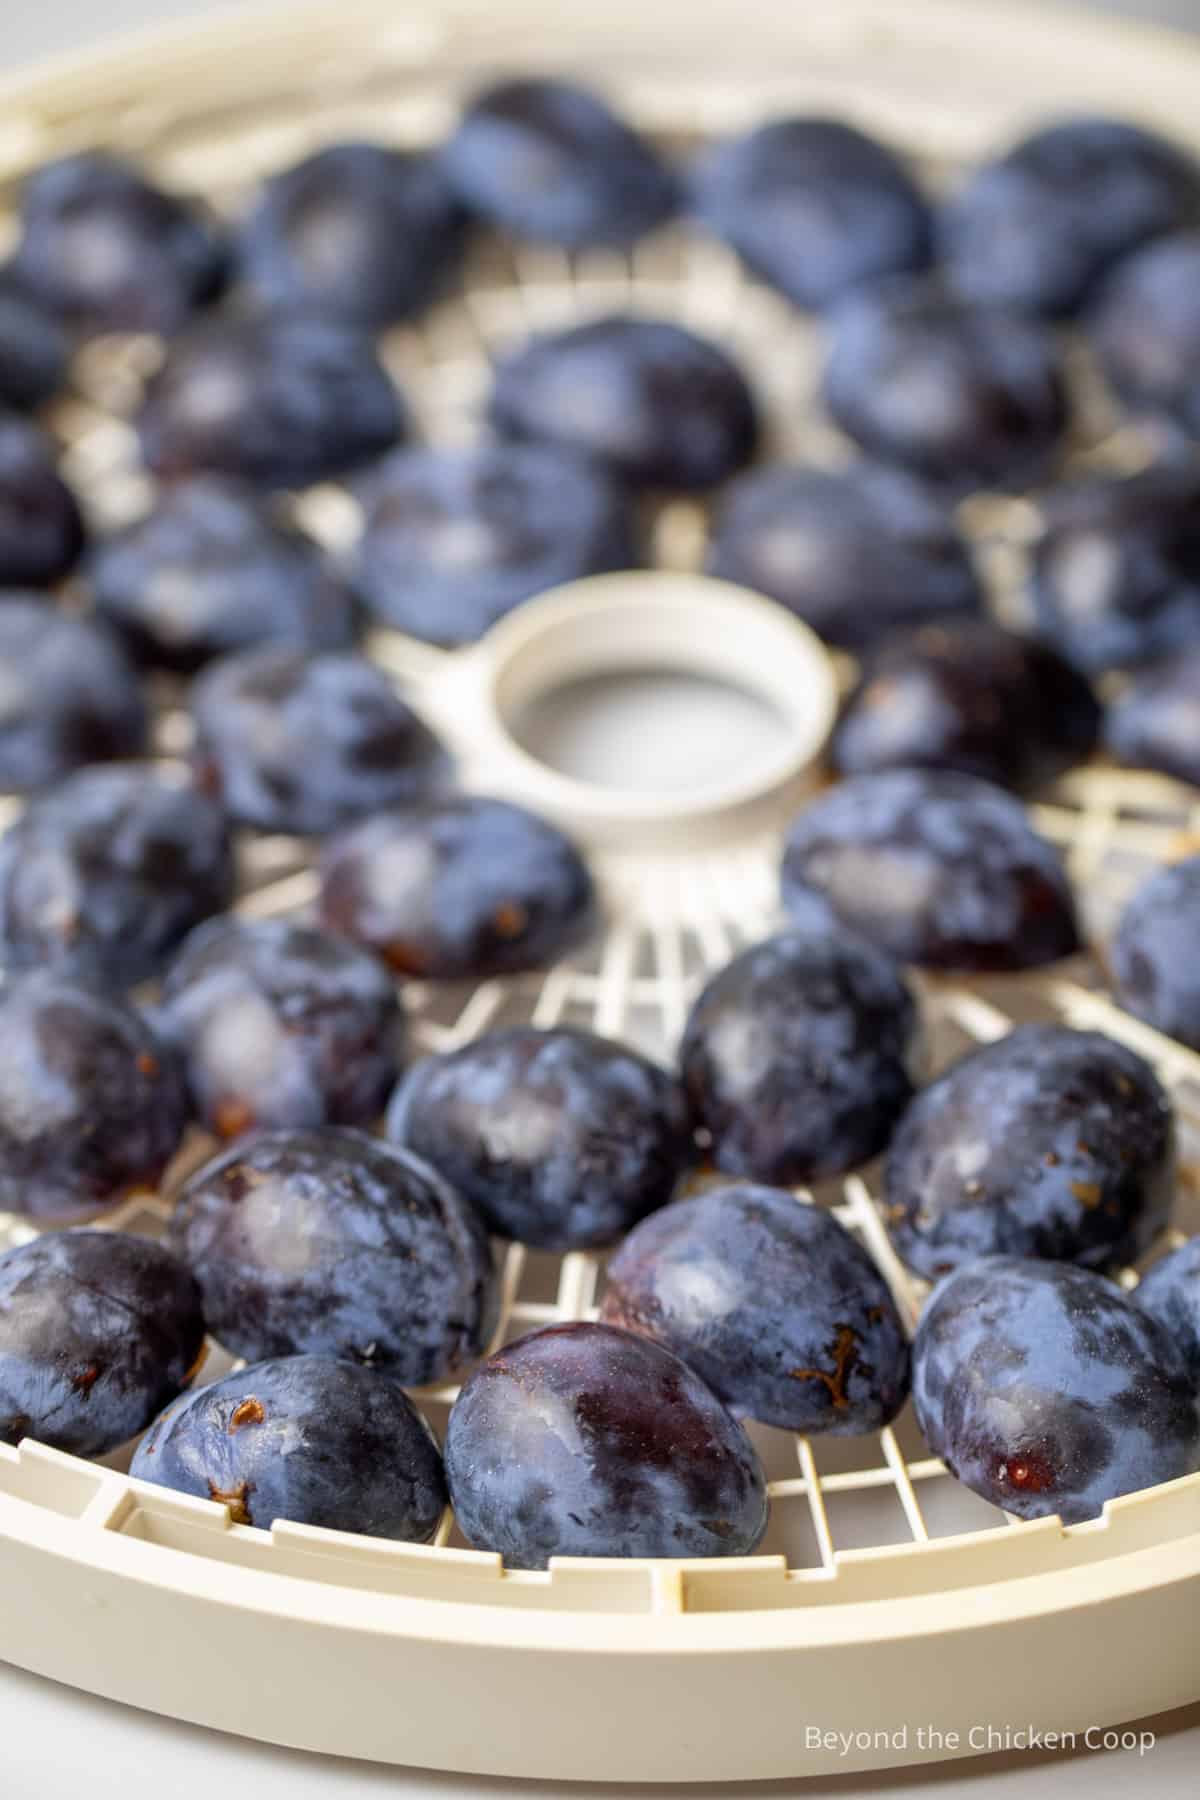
657 708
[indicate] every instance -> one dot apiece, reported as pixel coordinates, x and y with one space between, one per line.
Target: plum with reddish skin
1116 570
107 871
936 867
305 743
41 527
304 1438
560 1138
331 1242
210 571
356 231
582 1440
99 1330
458 888
1049 1143
854 552
1170 1293
967 696
1045 1389
815 208
281 1024
68 694
455 538
34 351
773 1303
550 162
1152 957
648 400
1154 723
281 400
967 397
92 1102
1039 227
106 250
1145 329
795 1058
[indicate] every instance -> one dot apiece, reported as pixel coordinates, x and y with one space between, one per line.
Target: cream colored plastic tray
891 1617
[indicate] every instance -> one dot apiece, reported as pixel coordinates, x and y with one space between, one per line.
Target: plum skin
292 742
70 696
1154 723
303 1438
965 397
1045 1390
108 870
772 1302
99 1330
456 538
971 697
41 527
795 1058
1152 958
281 1024
854 552
92 1103
331 1242
209 571
458 888
814 207
550 162
653 403
560 1138
936 867
582 1440
1049 1143
1170 1293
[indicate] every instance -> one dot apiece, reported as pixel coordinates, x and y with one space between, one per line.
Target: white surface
57 1743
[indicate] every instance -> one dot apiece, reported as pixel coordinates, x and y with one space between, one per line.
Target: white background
59 1745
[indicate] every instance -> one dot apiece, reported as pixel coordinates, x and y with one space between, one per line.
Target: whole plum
582 1440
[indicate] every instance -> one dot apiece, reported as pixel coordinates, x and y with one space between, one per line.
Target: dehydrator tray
889 1611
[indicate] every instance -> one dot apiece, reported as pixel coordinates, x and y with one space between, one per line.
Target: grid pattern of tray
669 919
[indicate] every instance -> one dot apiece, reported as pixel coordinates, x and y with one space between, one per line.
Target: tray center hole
651 730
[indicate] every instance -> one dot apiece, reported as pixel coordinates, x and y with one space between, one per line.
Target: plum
356 231
1154 723
304 1438
41 527
1145 329
106 872
279 400
549 161
560 1138
1170 1293
772 1302
1046 1390
936 867
814 207
1116 570
963 396
92 1103
460 888
1152 955
970 696
281 1024
655 404
208 571
455 538
582 1440
331 1242
1048 1143
68 694
796 1056
854 552
106 250
99 1330
298 742
1039 227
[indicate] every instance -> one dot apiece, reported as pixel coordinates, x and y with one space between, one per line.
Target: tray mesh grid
668 919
